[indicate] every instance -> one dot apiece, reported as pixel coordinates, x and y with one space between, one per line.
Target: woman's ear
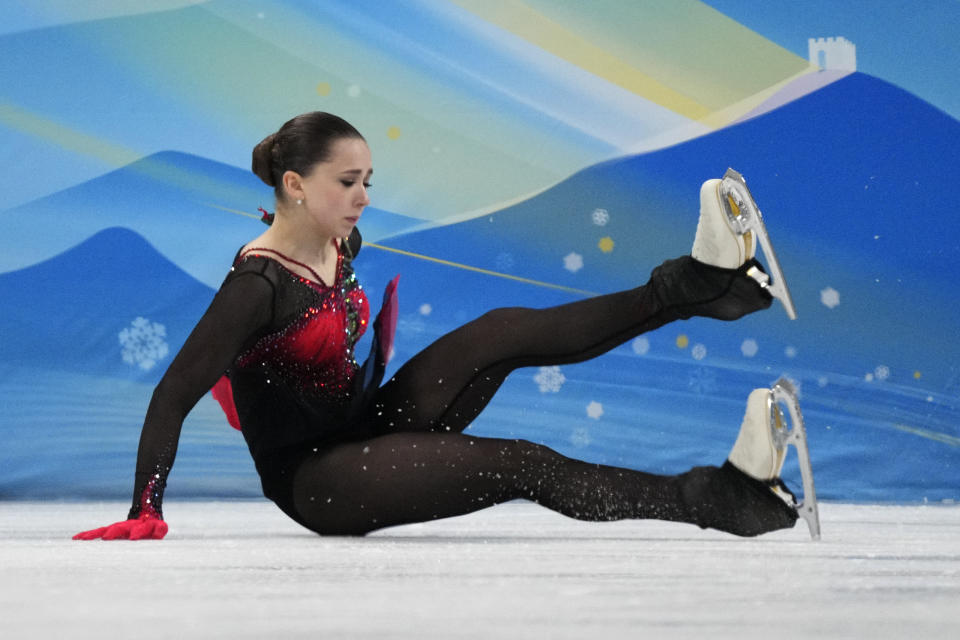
292 185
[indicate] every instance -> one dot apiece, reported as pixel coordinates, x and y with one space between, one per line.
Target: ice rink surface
243 570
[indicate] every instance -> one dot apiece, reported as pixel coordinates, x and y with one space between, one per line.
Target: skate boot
730 229
746 496
761 447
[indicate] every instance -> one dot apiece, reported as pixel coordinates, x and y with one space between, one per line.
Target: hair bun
262 164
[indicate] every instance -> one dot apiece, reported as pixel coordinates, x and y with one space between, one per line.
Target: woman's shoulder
249 267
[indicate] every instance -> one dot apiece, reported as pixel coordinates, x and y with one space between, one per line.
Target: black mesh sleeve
242 307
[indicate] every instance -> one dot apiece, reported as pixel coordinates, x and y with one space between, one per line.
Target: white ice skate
729 230
761 447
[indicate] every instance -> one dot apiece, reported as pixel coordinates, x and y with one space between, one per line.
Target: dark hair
300 143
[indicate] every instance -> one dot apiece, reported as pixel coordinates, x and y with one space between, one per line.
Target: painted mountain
854 182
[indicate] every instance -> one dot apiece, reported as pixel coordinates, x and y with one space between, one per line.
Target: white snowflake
830 297
143 344
702 381
354 91
580 437
505 261
600 217
749 348
699 351
641 346
882 372
573 262
595 410
549 379
823 381
790 352
426 309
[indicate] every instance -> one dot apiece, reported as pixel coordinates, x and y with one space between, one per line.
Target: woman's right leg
354 488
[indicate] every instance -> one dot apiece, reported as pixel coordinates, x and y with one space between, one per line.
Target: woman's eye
367 185
347 183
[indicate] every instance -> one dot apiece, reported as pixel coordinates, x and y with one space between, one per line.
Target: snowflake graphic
699 351
573 262
830 297
641 345
882 372
600 217
426 309
549 379
606 244
143 344
505 261
595 410
580 437
749 347
702 381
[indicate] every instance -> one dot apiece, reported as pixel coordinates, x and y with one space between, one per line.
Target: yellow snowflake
606 244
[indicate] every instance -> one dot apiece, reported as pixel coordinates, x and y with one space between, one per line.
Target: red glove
146 527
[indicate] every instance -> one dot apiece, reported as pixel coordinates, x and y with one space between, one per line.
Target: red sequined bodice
313 351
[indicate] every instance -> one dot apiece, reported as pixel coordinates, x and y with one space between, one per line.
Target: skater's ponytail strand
298 145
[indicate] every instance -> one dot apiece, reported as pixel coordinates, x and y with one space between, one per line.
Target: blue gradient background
125 138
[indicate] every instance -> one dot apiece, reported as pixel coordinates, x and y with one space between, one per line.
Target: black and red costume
342 455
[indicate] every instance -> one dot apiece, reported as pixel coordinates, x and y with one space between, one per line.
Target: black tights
420 466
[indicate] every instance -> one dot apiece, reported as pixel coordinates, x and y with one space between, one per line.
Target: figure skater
342 455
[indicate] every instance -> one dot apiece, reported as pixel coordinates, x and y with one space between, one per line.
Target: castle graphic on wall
834 54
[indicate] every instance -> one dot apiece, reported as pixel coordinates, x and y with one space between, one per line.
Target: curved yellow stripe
538 29
487 272
953 441
447 263
43 128
236 211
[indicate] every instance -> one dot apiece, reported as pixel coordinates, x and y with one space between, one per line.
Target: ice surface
243 570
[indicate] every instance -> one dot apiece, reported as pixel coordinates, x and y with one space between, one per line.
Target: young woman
342 455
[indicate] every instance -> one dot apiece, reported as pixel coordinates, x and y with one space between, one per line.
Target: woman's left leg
445 386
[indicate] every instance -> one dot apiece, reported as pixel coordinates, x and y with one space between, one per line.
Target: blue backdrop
526 153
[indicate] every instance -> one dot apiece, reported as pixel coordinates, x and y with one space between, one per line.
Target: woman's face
334 193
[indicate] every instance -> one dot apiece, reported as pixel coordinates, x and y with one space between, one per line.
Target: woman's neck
296 242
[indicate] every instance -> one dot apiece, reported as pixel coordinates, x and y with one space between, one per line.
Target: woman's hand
146 527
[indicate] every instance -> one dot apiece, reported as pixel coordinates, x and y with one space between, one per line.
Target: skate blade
745 217
785 394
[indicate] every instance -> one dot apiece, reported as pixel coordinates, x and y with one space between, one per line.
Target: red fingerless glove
146 527
145 520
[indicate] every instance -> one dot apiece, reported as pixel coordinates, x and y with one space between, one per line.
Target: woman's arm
240 309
